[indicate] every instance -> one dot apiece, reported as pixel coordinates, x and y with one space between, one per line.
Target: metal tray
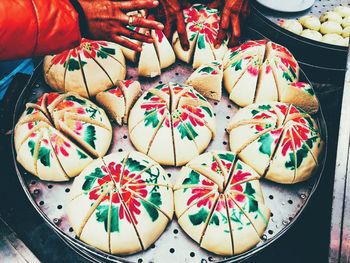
323 63
49 198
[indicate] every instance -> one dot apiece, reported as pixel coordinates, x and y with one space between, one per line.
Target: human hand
107 20
171 13
233 12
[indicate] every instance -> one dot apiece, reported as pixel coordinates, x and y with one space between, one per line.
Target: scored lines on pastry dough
229 196
113 57
287 124
99 65
229 223
132 221
225 194
105 191
307 146
46 117
64 74
282 125
172 114
53 150
283 65
83 73
114 188
229 192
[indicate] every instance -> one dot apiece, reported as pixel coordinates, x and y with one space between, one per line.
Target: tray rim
89 250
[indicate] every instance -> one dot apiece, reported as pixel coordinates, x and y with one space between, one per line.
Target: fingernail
139 49
155 3
217 46
160 26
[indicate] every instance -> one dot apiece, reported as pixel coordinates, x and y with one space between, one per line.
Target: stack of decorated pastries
219 203
154 56
263 71
202 26
91 67
171 123
121 203
57 136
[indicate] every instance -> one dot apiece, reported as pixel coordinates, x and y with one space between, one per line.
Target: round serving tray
323 63
49 198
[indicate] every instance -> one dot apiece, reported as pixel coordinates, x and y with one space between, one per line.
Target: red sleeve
31 28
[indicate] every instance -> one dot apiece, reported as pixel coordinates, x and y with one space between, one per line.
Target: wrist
84 30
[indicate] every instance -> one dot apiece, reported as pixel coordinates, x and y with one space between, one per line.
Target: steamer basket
48 198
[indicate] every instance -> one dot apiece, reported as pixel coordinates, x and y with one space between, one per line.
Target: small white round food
331 27
277 140
331 16
291 25
118 100
311 34
202 26
121 204
345 22
310 22
219 203
333 39
57 135
346 32
154 56
342 10
172 123
88 69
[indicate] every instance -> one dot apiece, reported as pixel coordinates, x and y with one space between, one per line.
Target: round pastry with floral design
58 135
202 26
91 67
154 56
172 123
121 203
262 71
219 203
117 101
280 141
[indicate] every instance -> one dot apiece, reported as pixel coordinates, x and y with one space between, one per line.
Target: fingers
134 35
224 25
136 5
126 43
245 11
181 30
216 4
225 18
236 30
168 27
187 4
220 38
140 22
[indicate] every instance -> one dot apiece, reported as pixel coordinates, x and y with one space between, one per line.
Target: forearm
37 27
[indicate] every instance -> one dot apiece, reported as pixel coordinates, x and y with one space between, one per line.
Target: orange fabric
31 28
